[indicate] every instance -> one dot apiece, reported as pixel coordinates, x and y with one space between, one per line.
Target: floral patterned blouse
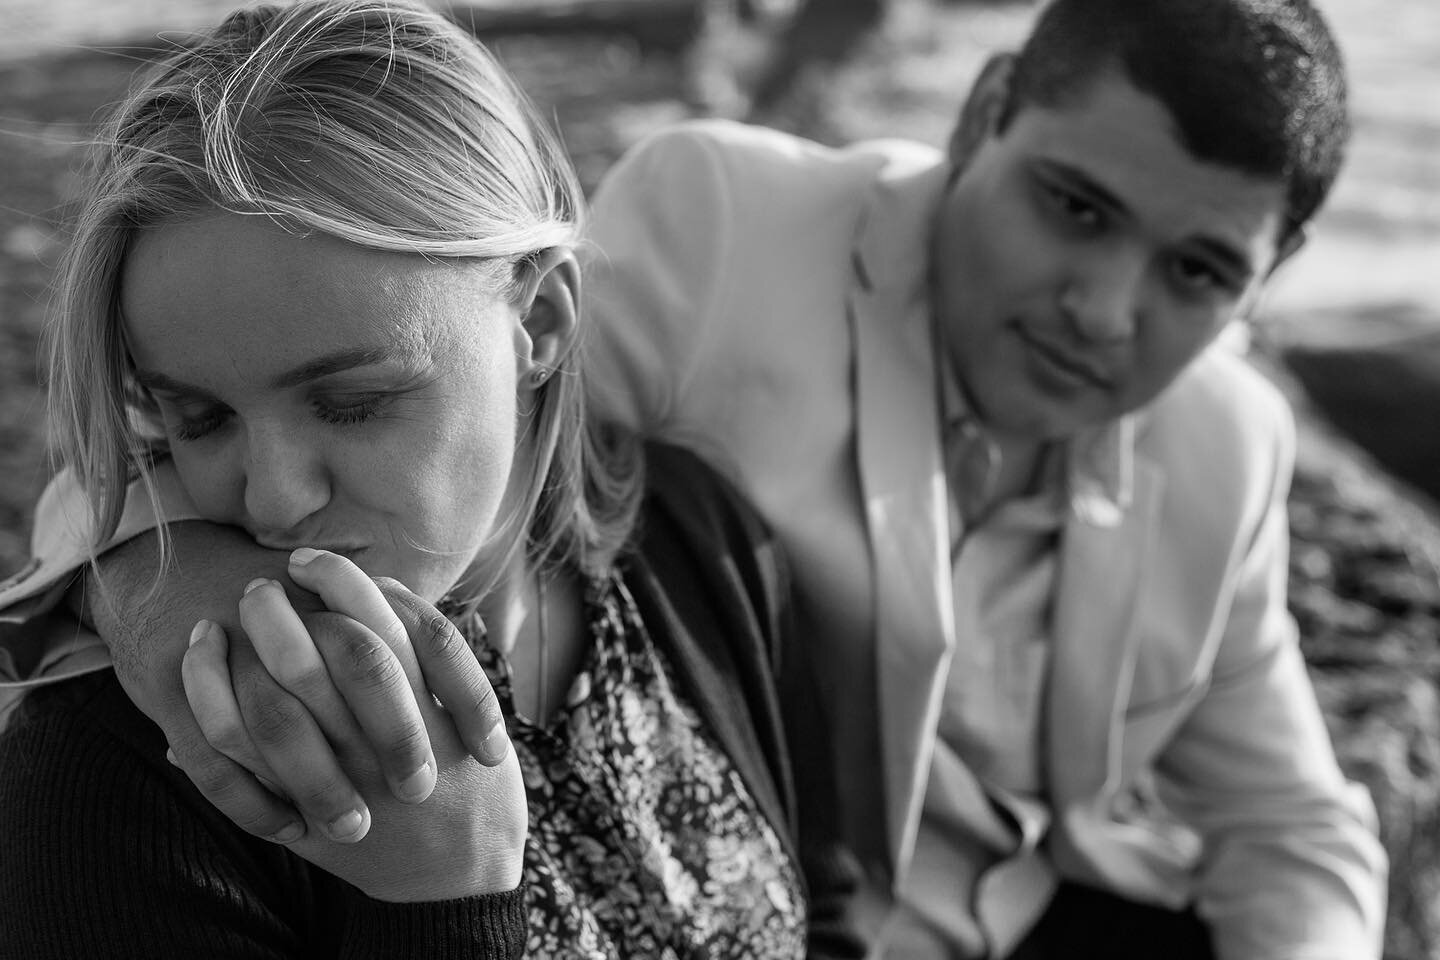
644 841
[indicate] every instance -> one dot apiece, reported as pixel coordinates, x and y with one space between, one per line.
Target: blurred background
1350 330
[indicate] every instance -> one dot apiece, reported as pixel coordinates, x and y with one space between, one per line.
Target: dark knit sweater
108 851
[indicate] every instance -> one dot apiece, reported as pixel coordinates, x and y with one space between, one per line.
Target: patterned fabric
644 841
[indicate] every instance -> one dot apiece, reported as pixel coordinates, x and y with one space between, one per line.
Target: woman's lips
287 545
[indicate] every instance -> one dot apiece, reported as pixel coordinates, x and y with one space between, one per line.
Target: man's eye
1196 276
1071 206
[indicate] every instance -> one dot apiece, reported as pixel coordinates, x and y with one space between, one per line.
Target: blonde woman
323 295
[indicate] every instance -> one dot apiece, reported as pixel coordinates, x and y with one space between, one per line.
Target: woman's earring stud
539 376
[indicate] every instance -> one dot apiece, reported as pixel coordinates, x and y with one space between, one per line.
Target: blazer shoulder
1224 439
1224 405
754 168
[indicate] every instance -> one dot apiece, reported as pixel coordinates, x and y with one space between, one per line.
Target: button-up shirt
986 807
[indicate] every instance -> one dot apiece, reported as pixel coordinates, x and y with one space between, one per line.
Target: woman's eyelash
341 414
198 427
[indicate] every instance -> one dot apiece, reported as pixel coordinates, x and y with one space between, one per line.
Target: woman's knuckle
328 792
482 701
388 585
256 821
312 682
409 740
370 662
228 738
277 724
438 635
213 778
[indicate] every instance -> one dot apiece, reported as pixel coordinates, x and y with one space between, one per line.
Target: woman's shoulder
82 767
76 717
102 841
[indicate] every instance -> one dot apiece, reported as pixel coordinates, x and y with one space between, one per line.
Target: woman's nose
285 479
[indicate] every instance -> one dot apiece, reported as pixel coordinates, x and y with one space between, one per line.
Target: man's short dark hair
1254 85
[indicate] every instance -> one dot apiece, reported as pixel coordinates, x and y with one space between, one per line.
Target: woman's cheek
211 479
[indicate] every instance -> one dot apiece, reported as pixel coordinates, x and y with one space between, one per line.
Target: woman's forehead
271 295
243 265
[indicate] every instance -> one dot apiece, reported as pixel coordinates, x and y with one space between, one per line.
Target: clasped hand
324 735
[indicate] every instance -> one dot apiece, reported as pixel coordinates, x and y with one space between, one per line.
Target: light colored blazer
753 296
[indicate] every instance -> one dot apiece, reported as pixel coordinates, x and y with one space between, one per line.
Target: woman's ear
549 315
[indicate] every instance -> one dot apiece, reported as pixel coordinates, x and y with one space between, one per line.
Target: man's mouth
1064 360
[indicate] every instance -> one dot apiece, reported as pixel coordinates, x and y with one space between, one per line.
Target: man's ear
984 106
1289 248
549 315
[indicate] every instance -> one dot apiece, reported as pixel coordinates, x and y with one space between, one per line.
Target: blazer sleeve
1291 868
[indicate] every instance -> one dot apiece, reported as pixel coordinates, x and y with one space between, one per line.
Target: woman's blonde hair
375 121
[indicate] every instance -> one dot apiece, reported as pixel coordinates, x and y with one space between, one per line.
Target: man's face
1083 258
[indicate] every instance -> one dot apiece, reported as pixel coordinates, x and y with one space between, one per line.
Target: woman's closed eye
190 426
349 410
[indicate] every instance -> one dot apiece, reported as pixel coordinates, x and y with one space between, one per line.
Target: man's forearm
144 612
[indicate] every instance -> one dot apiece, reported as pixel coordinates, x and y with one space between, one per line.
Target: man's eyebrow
1077 179
1230 257
336 362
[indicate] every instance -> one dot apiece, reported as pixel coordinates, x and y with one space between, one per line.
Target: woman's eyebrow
340 360
313 369
157 382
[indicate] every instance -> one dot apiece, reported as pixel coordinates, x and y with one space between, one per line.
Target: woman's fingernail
289 833
201 628
495 745
303 555
346 826
170 755
417 786
257 582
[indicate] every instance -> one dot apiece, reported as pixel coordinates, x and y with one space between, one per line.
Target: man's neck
1020 462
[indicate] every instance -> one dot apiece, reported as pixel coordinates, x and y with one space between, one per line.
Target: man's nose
1103 296
285 479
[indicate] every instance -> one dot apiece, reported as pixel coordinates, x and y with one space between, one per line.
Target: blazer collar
903 484
1102 576
892 241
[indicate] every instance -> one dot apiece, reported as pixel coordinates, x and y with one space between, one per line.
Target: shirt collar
1096 470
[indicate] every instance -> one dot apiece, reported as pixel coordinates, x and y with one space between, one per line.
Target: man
1034 512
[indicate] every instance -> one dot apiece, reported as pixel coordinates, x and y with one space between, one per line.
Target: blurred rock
1365 593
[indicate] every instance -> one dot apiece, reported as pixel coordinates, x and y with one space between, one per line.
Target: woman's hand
303 705
211 563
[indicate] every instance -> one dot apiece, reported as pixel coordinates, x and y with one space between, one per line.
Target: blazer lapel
903 484
1101 577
